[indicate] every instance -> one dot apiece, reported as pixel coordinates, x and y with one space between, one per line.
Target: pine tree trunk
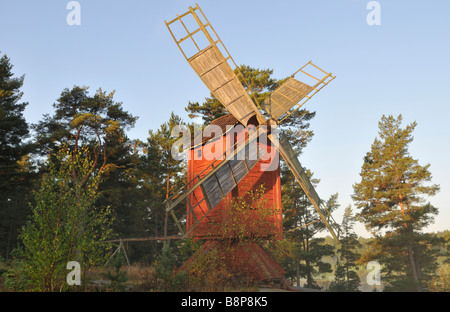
166 217
309 279
11 226
156 223
412 261
166 214
414 268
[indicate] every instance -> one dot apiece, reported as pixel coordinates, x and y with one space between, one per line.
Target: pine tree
16 170
164 172
390 197
301 223
96 121
13 127
346 277
81 119
115 275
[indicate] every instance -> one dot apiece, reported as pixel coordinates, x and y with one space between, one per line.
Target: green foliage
65 225
115 275
165 168
225 262
346 277
16 172
166 263
245 217
304 256
95 120
392 251
444 246
390 194
12 122
100 123
441 281
186 248
165 270
160 173
390 197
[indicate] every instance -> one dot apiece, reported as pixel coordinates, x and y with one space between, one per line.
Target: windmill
215 181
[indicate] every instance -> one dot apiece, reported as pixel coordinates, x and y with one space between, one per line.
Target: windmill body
263 179
246 255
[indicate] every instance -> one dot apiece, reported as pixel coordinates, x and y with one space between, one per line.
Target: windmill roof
222 122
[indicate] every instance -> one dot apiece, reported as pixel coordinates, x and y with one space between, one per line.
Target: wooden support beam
144 239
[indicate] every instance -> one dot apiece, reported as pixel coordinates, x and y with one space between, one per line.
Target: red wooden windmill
245 165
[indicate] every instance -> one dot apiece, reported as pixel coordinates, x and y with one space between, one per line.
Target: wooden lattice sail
213 67
294 93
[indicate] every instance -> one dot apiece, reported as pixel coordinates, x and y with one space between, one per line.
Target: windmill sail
297 170
215 72
285 97
294 92
213 67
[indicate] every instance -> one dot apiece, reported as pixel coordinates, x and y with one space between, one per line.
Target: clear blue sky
401 66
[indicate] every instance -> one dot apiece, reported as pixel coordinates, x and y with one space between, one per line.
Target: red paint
254 179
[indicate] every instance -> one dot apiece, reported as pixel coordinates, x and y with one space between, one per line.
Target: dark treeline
75 179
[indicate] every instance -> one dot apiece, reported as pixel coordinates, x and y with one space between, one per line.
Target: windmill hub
272 123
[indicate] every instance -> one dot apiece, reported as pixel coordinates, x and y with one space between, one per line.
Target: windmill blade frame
288 154
294 92
211 62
